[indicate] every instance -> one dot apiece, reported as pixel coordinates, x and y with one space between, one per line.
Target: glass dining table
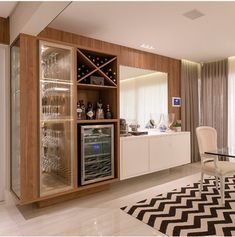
227 152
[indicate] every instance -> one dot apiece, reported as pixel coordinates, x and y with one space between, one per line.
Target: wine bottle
83 108
79 111
99 110
97 61
108 114
90 112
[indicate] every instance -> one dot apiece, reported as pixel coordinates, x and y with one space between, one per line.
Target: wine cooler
97 153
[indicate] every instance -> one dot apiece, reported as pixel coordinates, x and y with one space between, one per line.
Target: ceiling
6 8
159 24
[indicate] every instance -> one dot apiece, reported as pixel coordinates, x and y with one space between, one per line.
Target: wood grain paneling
29 117
4 31
128 57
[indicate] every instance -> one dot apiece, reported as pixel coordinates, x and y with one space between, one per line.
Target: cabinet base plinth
70 196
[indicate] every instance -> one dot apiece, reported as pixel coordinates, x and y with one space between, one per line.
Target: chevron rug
182 212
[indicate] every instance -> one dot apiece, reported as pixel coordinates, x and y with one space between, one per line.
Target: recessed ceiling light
193 14
147 46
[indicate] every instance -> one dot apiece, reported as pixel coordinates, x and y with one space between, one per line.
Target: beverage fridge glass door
97 153
56 118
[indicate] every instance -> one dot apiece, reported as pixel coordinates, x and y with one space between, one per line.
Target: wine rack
102 67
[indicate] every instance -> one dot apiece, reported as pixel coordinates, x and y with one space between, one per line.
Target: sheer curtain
142 96
214 98
190 72
231 102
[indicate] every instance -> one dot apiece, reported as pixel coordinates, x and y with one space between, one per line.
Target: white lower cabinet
146 154
134 153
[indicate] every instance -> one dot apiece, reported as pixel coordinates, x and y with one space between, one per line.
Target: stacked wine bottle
98 60
83 70
97 65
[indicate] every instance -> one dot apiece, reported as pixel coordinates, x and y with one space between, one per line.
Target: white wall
4 119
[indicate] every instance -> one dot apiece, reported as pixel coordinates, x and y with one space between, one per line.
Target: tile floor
97 214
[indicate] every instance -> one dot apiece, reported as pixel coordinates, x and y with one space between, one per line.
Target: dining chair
207 141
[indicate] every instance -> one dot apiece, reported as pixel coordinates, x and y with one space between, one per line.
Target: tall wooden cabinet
24 117
45 88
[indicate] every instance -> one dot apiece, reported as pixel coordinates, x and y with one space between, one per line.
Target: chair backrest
207 139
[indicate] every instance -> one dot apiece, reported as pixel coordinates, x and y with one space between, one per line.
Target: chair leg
222 190
201 183
216 181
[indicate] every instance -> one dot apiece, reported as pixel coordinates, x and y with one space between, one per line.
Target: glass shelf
56 119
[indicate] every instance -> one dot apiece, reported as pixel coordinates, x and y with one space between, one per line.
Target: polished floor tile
97 214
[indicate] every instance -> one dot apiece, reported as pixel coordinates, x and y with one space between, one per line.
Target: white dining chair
207 141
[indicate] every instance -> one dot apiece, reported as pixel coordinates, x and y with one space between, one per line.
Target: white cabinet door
169 151
134 157
181 149
160 150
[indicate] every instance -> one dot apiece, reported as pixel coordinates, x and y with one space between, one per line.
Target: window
143 97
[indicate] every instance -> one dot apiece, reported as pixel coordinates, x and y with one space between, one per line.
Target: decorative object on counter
94 80
90 111
162 125
153 121
151 124
123 127
177 126
170 118
99 110
134 126
108 114
139 133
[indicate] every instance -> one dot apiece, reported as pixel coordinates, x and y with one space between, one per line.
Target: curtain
190 103
231 103
144 97
214 98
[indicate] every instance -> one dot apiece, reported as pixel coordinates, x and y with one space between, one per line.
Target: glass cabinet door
56 119
15 118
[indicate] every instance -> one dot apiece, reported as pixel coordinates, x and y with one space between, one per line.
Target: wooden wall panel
128 57
29 116
4 31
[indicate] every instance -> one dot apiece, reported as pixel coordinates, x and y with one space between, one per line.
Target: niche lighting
147 46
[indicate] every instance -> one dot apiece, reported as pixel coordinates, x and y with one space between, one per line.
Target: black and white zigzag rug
182 212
